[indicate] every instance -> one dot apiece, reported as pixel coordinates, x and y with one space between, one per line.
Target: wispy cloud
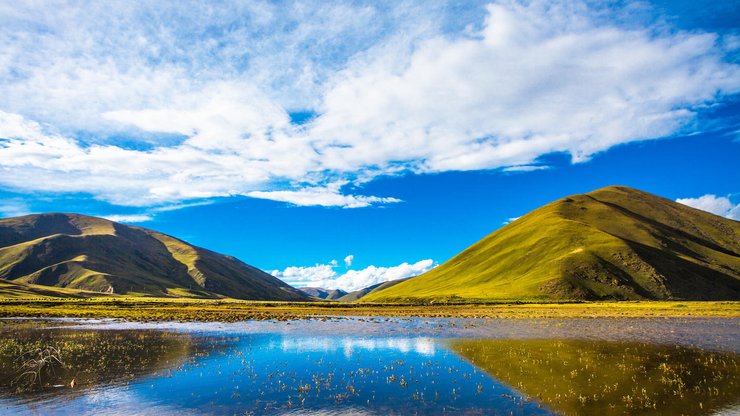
322 196
129 218
202 100
718 205
525 168
14 207
326 276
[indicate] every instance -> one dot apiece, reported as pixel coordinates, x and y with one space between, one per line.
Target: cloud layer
154 104
718 205
327 277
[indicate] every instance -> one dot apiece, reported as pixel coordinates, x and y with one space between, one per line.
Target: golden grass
230 310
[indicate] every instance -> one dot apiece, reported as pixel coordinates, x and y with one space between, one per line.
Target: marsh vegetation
56 361
578 377
367 366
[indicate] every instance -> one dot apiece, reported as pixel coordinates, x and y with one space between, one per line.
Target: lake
371 366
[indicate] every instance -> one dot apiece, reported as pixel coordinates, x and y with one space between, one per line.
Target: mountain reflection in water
577 377
265 368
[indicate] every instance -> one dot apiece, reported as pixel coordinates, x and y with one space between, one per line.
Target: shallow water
372 366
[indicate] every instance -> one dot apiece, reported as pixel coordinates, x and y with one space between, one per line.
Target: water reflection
575 377
161 372
349 345
277 374
36 363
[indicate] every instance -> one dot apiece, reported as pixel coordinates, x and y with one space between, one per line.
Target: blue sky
344 143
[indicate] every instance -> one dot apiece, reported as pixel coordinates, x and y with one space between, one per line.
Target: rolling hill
612 243
80 252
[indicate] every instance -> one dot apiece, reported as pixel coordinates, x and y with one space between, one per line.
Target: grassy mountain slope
357 294
88 253
612 243
9 290
321 293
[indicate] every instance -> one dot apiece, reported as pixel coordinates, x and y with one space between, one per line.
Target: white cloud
175 207
525 168
718 205
537 79
129 218
510 220
14 208
348 260
302 275
322 196
204 110
325 275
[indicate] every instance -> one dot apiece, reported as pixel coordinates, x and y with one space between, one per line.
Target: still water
371 366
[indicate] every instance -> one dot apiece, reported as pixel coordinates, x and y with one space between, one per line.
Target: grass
34 363
613 243
39 360
73 251
230 310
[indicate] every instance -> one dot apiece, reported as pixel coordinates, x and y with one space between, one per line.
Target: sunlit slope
10 289
81 252
614 242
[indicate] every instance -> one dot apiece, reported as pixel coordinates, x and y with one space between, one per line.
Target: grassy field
226 310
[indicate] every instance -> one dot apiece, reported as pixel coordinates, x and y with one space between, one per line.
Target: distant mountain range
612 243
41 253
358 294
342 296
321 293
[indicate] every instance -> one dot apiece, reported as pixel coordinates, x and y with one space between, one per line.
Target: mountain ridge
95 254
612 243
323 294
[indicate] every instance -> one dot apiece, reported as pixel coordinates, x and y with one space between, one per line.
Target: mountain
10 289
321 293
81 252
612 243
357 294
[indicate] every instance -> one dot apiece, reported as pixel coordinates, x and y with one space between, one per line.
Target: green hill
87 253
612 243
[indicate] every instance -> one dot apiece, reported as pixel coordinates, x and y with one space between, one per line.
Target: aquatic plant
579 377
34 364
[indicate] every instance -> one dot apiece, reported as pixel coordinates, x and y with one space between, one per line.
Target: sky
345 143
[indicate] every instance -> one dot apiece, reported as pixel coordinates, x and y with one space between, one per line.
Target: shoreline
229 310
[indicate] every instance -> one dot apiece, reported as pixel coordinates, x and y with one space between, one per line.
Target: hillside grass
75 251
231 310
613 243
